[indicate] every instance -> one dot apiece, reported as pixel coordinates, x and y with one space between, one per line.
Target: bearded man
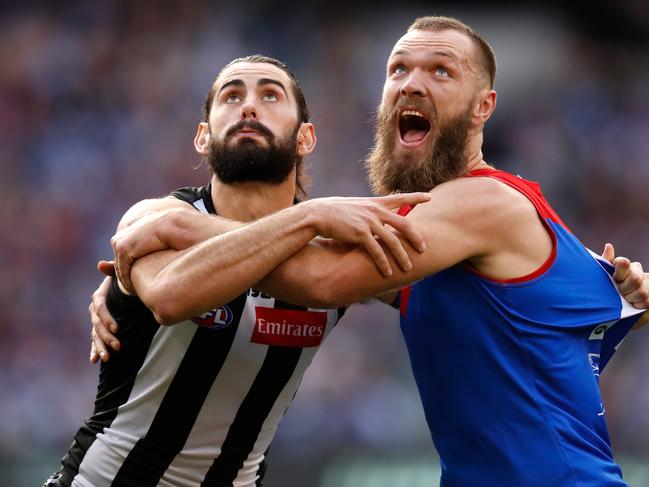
510 319
198 403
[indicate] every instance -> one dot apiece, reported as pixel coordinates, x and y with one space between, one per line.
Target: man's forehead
451 42
252 72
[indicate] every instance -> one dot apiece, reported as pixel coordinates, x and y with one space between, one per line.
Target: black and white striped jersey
197 403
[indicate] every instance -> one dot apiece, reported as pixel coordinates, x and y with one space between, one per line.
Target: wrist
312 214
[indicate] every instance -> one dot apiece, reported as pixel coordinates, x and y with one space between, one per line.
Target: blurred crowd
99 103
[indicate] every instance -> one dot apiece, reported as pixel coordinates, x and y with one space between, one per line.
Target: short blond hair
486 53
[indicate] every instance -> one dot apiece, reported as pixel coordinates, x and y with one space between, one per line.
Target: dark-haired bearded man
194 396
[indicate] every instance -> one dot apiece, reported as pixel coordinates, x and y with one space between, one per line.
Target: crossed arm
221 259
320 274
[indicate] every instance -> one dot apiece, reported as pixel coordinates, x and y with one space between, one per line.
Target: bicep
341 275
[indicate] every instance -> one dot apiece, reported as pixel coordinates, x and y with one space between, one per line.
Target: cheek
389 90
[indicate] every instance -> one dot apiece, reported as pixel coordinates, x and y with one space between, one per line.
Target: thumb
106 267
609 252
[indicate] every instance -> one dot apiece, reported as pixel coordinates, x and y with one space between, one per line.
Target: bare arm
176 286
160 224
494 231
455 229
323 273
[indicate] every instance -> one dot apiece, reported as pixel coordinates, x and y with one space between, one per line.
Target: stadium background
98 106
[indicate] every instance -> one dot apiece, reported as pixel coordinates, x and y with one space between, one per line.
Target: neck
475 159
252 200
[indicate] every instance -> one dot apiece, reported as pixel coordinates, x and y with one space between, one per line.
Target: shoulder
482 199
481 212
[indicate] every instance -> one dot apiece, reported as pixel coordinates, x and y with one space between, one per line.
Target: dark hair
302 179
302 109
485 51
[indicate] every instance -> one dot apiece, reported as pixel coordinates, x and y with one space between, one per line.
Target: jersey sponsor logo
216 319
288 328
598 332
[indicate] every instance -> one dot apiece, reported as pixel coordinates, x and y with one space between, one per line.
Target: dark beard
445 157
249 162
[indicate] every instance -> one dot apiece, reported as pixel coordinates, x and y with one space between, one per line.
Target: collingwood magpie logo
216 319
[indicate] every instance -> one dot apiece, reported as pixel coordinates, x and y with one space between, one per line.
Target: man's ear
484 106
306 139
202 139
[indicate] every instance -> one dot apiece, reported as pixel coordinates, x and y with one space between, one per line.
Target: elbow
165 316
164 305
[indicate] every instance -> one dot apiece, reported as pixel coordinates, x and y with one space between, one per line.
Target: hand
155 231
632 282
103 325
363 221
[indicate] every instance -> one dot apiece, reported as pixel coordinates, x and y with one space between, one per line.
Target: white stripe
222 402
199 204
134 418
283 401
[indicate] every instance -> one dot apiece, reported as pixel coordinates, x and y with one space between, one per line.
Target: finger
642 321
378 255
394 246
609 252
100 348
123 259
103 323
622 267
638 298
633 281
400 199
406 228
94 355
106 267
123 271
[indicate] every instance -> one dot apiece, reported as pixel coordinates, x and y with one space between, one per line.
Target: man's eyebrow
234 82
449 55
270 81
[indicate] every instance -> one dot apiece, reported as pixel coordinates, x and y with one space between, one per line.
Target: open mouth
413 127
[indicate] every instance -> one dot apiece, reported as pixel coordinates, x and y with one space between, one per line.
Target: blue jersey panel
508 372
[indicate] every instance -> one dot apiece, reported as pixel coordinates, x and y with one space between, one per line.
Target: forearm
188 229
180 285
331 276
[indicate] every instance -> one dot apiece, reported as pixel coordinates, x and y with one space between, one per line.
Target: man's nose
413 85
248 110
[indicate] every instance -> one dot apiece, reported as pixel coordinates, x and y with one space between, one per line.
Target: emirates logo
289 328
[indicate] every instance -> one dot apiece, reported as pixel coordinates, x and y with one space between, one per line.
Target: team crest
216 319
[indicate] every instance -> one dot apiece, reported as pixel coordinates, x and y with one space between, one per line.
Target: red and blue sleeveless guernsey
508 370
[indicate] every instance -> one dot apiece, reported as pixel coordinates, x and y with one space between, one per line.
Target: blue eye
232 99
441 71
270 96
399 69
